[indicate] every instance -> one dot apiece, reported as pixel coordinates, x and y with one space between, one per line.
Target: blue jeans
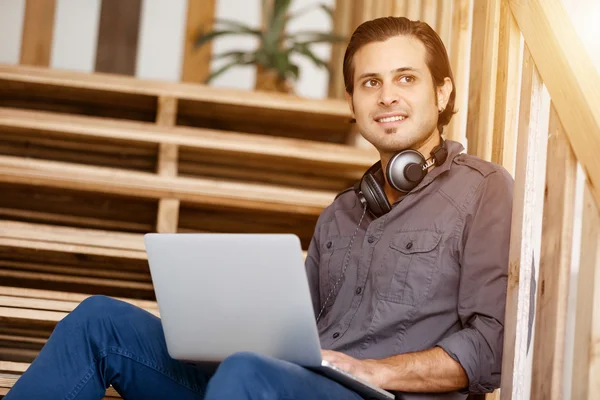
109 342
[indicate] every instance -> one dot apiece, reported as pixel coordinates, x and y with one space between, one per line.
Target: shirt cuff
464 347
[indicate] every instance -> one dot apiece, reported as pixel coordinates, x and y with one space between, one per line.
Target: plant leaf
237 54
305 51
201 40
276 25
236 25
309 37
238 61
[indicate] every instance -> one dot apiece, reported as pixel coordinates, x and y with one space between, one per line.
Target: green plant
275 47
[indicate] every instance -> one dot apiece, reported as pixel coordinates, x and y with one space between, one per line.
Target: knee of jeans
93 308
245 364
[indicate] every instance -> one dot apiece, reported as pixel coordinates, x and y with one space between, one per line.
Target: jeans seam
124 353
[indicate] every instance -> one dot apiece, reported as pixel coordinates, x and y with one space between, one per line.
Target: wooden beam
475 75
343 24
414 10
222 100
460 54
400 8
586 357
507 91
197 61
66 297
168 208
38 31
569 75
487 85
429 13
118 33
146 185
557 240
296 154
532 141
444 21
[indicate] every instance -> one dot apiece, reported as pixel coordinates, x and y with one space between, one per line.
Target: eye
407 79
371 83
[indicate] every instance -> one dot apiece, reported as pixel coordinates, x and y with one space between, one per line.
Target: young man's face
394 100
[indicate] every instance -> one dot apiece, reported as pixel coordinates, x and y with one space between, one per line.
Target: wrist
382 373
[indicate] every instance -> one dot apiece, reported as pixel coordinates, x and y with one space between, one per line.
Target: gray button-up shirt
431 272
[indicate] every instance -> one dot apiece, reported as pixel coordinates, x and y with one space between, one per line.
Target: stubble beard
391 131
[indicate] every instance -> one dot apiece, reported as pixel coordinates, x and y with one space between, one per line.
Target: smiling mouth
391 119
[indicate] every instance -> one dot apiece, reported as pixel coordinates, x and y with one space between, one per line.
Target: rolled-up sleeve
484 250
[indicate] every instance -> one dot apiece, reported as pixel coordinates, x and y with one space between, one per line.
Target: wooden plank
141 136
551 307
414 10
429 13
507 91
586 357
253 102
460 54
72 220
76 271
7 381
196 62
145 185
168 208
72 298
118 36
487 85
444 18
50 279
475 75
400 8
342 25
38 31
525 233
570 76
29 303
77 236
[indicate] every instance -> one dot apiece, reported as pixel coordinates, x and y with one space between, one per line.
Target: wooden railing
539 116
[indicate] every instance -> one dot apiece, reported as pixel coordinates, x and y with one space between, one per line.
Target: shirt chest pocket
333 256
408 266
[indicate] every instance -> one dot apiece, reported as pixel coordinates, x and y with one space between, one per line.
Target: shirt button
328 245
336 335
358 290
409 245
371 239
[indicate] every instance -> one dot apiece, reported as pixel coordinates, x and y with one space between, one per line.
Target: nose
388 96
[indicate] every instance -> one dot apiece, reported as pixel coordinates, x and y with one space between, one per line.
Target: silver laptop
219 294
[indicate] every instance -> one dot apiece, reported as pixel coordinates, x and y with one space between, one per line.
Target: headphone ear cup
374 196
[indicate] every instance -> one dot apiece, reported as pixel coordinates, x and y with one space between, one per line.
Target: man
407 270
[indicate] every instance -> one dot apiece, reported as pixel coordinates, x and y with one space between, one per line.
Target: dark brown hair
381 29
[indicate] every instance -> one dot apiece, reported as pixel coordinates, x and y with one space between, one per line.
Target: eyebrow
401 69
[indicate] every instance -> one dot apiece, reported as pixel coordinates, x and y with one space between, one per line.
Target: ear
443 94
350 103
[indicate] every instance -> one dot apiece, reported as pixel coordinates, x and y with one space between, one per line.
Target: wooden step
202 191
293 155
28 316
198 105
74 259
11 371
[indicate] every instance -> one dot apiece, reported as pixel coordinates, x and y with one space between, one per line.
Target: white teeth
392 119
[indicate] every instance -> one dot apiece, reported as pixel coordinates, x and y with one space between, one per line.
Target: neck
425 147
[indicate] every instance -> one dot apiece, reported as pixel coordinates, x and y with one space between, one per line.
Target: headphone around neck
404 172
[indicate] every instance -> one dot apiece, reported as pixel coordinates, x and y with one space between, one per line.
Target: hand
364 369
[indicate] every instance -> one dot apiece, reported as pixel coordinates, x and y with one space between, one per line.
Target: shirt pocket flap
335 243
412 242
